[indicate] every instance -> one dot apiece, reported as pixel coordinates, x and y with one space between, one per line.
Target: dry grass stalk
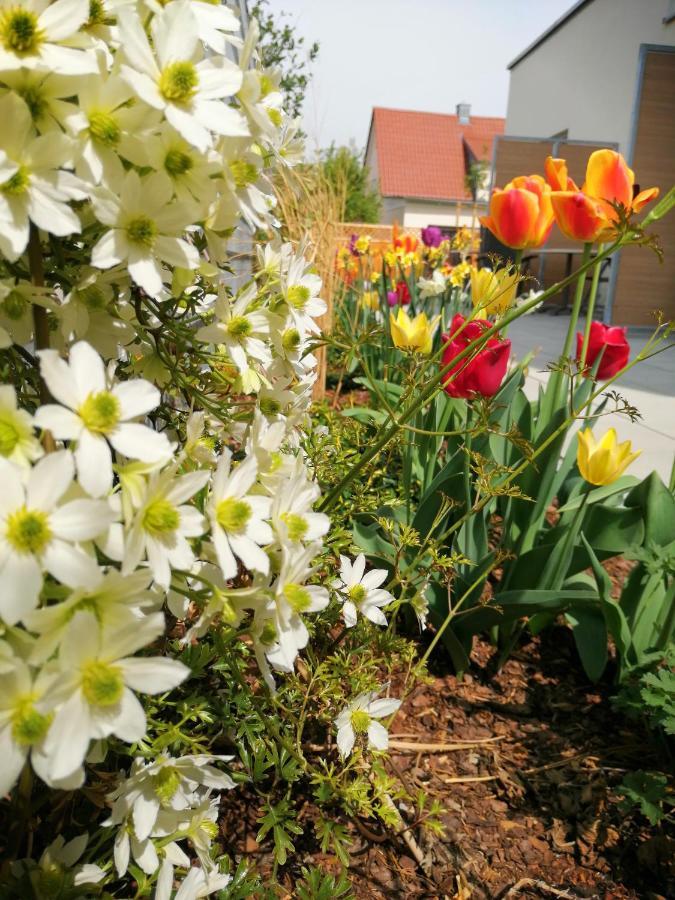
309 207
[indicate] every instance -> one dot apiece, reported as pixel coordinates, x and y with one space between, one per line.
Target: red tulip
482 374
616 349
400 295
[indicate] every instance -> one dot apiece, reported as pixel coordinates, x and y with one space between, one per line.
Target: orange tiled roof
423 154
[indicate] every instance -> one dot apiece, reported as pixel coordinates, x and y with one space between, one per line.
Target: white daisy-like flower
293 517
46 96
16 308
61 855
217 25
238 328
18 443
31 32
163 523
38 533
98 414
360 718
94 690
33 186
237 517
196 884
360 591
188 91
145 228
300 289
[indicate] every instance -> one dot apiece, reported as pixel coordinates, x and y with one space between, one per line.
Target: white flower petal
378 736
136 398
81 520
63 423
94 465
154 674
49 480
59 379
68 738
345 740
71 565
138 441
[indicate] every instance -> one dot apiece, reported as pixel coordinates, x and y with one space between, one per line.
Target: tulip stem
589 312
557 386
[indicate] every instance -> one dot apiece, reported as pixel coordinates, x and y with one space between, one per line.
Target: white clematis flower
98 415
31 32
18 443
94 690
145 227
196 884
238 328
189 92
360 591
238 525
33 186
38 533
360 717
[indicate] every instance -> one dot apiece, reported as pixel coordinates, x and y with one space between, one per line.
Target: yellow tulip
493 293
412 334
602 462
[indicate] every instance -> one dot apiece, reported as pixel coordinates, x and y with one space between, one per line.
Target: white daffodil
360 718
239 328
31 32
163 523
117 600
360 591
145 227
188 91
24 723
33 186
165 783
98 414
18 443
291 598
237 517
38 533
196 884
293 518
94 689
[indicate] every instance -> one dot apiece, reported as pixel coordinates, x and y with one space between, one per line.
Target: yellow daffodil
412 334
459 273
493 292
362 244
370 300
604 461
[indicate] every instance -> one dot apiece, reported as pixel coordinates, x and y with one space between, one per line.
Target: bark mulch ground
529 794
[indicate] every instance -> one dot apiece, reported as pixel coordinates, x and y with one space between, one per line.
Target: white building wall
418 214
583 77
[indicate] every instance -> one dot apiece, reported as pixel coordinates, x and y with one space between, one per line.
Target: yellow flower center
28 725
160 518
269 406
298 597
297 526
266 85
239 326
20 32
268 635
17 184
297 296
360 721
34 98
357 594
14 305
275 116
9 437
28 530
243 172
166 783
93 297
177 162
97 14
232 515
141 230
102 684
104 129
100 412
290 340
178 82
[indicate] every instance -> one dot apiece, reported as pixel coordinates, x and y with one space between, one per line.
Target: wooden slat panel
514 157
642 284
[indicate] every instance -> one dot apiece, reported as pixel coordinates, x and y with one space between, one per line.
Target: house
431 168
601 75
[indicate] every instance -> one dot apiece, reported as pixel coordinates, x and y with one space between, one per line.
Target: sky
425 55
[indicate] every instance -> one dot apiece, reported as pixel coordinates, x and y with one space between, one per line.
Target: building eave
557 25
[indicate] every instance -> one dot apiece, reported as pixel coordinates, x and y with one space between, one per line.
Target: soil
529 795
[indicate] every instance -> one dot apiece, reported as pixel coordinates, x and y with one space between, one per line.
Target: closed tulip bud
493 292
412 334
604 461
521 215
478 375
610 340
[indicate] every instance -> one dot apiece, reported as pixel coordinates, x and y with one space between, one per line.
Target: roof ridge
423 112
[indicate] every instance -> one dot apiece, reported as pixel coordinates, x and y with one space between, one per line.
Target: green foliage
317 885
281 48
344 169
648 791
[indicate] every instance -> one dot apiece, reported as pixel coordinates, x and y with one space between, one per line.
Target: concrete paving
649 386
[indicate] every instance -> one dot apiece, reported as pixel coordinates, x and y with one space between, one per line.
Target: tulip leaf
660 209
366 414
619 486
658 508
590 636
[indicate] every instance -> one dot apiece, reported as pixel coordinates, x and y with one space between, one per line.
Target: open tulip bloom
611 342
480 374
412 334
602 462
520 215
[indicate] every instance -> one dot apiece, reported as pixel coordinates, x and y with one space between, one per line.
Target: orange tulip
521 215
588 214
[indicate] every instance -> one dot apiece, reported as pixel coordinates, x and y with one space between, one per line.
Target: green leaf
658 508
660 209
648 791
590 636
366 414
601 493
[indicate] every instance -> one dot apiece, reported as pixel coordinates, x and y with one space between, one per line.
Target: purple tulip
392 298
432 236
352 245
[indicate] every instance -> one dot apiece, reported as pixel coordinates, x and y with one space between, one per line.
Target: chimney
464 113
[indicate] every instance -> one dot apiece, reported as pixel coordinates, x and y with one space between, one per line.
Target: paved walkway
649 386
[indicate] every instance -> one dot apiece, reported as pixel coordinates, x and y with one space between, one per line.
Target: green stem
433 384
558 380
589 312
